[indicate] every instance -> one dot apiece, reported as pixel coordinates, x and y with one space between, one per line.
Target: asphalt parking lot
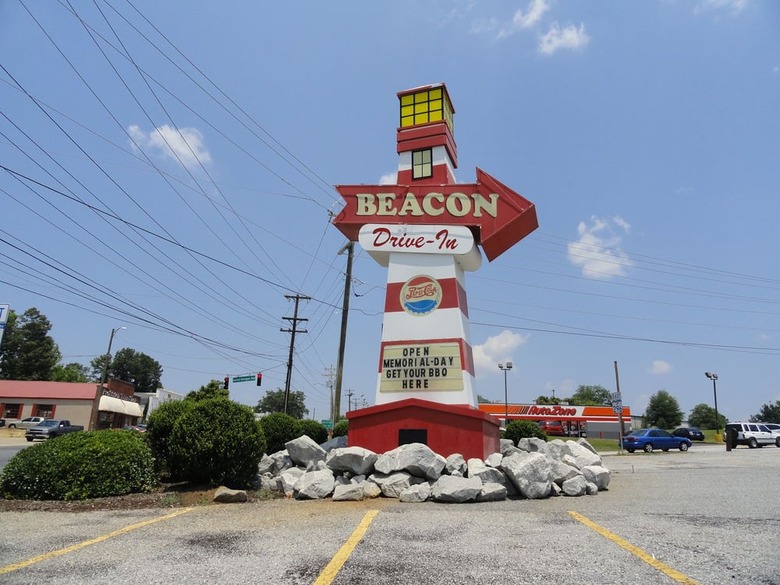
705 516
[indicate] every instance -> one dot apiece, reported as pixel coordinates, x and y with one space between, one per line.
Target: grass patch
268 495
603 445
170 501
710 436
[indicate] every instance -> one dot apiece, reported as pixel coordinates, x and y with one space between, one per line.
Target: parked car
692 433
651 439
2 422
752 434
140 427
26 423
51 428
551 427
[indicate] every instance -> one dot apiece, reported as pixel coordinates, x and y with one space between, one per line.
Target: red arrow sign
498 216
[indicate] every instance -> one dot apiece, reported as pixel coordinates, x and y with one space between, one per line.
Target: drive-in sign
498 216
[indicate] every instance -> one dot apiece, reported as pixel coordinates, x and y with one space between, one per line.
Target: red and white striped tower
426 229
426 350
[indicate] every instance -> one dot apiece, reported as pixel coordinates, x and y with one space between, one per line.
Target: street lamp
505 368
713 376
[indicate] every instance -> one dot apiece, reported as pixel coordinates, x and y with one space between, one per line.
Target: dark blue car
651 439
692 433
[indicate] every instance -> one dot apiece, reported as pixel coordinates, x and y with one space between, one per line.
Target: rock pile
414 473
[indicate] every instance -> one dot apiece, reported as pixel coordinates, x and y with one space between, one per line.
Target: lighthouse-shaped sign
427 230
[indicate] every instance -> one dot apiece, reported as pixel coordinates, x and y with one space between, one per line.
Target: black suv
691 433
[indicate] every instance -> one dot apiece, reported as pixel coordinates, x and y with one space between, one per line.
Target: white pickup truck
25 423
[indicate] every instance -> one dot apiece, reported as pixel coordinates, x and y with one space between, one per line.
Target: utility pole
619 409
349 399
349 248
294 321
93 417
330 373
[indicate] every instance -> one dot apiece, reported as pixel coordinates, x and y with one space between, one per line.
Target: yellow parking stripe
649 559
334 566
75 547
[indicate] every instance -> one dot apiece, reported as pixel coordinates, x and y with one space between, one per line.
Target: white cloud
183 145
389 179
497 349
484 26
732 6
558 38
562 389
597 250
660 367
622 223
523 20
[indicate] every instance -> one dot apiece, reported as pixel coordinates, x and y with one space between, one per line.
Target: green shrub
523 429
217 442
315 430
340 428
158 432
80 465
279 428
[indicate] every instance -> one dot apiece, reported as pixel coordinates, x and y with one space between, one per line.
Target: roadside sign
617 407
327 423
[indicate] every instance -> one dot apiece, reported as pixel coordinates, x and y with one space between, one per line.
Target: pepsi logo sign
420 295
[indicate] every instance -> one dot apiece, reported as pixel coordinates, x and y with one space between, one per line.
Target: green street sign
327 423
249 378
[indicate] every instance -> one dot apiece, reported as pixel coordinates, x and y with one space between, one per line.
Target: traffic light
259 379
227 382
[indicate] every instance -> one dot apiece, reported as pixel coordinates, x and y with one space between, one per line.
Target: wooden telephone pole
293 330
350 249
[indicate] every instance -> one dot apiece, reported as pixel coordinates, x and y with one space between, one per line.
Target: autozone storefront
600 422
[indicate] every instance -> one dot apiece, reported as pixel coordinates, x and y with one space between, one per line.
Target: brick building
81 403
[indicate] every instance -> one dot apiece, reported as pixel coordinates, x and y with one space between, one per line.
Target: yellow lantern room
426 136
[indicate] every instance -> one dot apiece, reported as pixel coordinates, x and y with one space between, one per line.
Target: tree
703 416
273 401
482 400
591 396
769 413
28 351
663 411
131 366
213 389
547 400
72 372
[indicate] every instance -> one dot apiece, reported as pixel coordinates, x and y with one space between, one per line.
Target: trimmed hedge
315 430
340 428
158 432
217 442
80 465
523 429
279 428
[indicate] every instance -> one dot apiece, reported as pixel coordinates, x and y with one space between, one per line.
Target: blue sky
168 167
